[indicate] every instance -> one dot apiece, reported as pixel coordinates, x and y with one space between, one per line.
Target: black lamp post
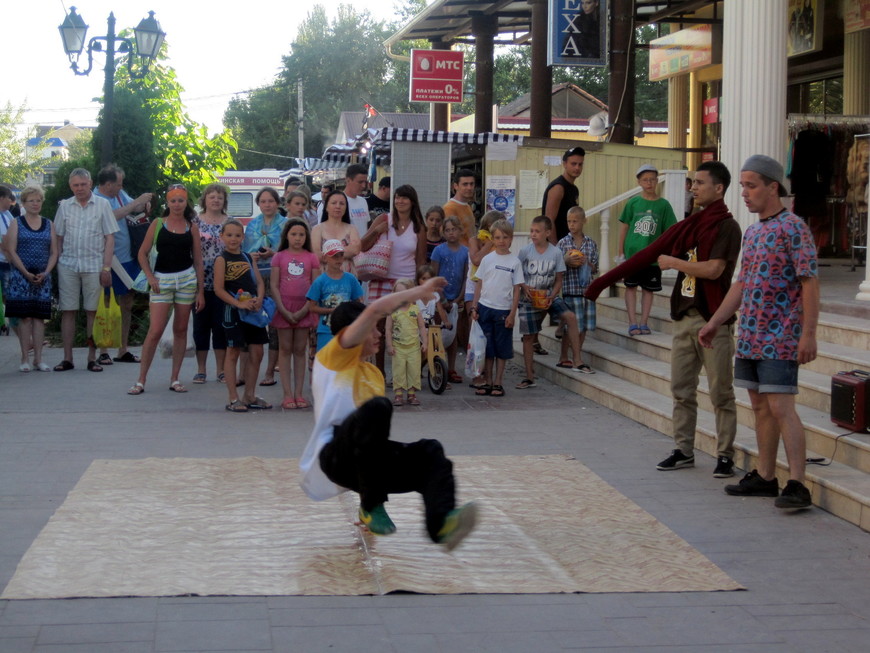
148 39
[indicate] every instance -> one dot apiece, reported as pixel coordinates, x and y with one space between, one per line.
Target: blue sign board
578 33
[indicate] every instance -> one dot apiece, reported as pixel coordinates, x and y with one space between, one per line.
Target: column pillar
483 28
678 111
753 89
856 80
541 110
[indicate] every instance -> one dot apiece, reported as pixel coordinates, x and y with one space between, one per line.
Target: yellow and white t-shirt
341 382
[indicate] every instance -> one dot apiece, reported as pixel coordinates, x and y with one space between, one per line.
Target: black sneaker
752 485
724 467
795 496
676 460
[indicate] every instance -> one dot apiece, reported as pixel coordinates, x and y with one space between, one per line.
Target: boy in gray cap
777 292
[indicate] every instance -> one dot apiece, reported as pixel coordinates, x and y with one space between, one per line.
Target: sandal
104 359
222 378
483 390
585 369
497 391
127 357
63 366
565 363
236 406
634 330
525 384
645 330
93 366
302 402
540 351
412 399
176 386
199 377
137 389
289 404
259 404
398 401
454 377
265 383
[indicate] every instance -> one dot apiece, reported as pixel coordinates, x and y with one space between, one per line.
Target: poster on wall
501 195
856 15
578 33
804 26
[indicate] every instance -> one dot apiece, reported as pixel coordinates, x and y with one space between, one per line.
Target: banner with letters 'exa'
578 33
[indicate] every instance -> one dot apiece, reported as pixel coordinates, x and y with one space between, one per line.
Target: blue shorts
133 269
499 339
531 319
583 310
766 376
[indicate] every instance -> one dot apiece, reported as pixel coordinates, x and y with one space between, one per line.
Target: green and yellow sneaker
458 523
377 521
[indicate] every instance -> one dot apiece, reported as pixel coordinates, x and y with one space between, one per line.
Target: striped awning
457 138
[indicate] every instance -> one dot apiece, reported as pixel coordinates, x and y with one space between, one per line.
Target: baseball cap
332 247
646 167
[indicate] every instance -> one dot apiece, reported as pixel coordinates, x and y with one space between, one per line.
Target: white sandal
137 389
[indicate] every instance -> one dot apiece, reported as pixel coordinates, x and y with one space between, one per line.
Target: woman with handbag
31 248
175 282
404 229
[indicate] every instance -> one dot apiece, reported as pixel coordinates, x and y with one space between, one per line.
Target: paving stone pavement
807 574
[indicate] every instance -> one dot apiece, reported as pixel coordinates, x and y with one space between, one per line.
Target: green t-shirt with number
646 220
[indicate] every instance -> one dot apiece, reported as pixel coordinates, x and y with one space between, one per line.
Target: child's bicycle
436 359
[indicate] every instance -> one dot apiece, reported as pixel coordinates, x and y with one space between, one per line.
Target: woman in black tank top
176 282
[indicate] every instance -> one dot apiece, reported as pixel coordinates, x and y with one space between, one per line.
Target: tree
156 141
14 164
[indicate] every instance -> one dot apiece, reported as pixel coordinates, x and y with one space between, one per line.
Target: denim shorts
766 376
499 338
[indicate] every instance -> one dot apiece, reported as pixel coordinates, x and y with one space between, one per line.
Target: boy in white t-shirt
496 297
350 447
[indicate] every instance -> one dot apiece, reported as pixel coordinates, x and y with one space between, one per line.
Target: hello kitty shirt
295 273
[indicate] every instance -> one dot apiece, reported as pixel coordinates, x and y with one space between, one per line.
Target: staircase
633 378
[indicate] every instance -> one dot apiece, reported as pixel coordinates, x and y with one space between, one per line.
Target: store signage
681 52
711 111
436 76
578 33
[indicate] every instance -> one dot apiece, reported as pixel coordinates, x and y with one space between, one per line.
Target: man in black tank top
562 194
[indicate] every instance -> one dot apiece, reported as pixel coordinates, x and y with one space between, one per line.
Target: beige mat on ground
162 527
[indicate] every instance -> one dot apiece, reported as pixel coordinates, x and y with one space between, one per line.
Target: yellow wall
649 140
609 169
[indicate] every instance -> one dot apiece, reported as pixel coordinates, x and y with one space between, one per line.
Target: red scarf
699 229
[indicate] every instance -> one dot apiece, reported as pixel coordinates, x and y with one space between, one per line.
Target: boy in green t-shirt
644 218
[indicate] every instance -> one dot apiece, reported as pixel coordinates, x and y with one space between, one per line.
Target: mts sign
436 76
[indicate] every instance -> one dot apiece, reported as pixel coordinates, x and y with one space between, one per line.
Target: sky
217 50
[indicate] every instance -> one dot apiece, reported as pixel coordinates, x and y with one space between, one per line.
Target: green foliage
61 190
14 165
156 141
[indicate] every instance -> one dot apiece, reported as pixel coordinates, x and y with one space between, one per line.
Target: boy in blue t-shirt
450 260
331 289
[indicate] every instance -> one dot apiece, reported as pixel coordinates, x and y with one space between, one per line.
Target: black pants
361 457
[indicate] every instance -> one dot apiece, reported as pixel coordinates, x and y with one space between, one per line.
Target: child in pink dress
294 267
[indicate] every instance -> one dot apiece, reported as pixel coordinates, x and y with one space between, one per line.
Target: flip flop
266 383
236 406
63 366
93 366
585 369
137 389
645 330
199 377
259 404
565 363
302 402
127 357
525 384
104 359
176 386
634 330
289 404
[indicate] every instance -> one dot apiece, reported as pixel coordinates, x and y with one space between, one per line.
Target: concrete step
653 374
840 488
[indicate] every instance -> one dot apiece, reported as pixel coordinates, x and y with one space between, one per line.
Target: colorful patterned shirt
777 252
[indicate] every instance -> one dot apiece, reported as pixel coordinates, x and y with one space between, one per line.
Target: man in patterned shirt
777 292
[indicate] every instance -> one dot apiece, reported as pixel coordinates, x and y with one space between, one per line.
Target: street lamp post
148 39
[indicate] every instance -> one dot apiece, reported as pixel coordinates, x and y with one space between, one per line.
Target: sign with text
436 76
681 52
711 111
578 33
